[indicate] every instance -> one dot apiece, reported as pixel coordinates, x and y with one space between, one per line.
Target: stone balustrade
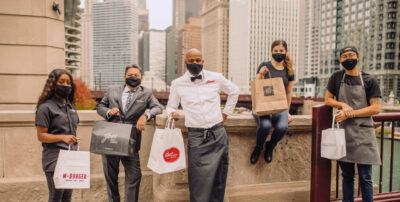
285 179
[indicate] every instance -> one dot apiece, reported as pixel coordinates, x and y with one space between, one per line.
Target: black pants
208 164
133 176
57 195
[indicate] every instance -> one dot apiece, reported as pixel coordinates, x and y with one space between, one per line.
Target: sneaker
255 155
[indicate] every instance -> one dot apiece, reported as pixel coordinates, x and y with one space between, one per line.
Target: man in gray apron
358 98
198 93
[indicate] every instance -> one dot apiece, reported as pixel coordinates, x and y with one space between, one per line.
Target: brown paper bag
268 96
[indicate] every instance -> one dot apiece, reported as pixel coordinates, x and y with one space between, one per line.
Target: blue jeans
364 178
280 123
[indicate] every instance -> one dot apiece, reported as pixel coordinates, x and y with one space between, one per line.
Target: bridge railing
321 167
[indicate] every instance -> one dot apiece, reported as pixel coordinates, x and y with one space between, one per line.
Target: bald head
194 56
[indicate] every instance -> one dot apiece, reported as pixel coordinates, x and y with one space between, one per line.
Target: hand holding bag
111 138
333 142
268 96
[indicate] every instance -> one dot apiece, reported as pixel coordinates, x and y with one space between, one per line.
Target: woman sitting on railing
357 98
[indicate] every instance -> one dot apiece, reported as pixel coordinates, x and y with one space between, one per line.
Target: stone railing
285 179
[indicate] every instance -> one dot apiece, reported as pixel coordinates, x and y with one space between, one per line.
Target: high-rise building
171 54
86 70
143 14
178 13
192 9
189 36
253 26
371 27
72 25
142 4
307 66
144 51
115 40
215 35
157 53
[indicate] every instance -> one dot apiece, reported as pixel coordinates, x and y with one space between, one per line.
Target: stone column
31 45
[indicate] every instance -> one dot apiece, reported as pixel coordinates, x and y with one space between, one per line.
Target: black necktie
193 78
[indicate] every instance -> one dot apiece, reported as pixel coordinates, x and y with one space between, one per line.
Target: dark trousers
364 177
207 165
133 176
57 195
280 123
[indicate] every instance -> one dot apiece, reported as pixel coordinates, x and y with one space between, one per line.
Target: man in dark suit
127 103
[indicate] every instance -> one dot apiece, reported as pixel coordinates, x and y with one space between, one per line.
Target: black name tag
268 90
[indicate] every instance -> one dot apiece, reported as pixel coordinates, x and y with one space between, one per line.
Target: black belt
215 127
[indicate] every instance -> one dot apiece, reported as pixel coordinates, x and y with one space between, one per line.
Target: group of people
356 95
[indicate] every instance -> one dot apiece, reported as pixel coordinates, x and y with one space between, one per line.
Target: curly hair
288 62
49 88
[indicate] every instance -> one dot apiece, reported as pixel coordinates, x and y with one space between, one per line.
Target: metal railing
321 167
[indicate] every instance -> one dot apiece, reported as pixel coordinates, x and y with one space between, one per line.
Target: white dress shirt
201 100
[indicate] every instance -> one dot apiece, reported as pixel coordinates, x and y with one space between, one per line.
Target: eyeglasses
345 56
195 60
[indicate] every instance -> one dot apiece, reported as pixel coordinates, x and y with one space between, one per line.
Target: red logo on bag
210 81
171 155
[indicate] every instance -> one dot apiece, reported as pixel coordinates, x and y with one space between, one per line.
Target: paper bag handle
333 122
69 147
170 123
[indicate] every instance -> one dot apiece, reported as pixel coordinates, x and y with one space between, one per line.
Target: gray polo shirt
58 118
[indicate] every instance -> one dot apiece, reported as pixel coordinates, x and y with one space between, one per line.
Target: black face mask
63 91
194 68
279 56
349 64
132 81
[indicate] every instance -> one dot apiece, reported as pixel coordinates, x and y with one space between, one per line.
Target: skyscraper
253 26
215 35
157 53
189 36
192 9
371 27
171 54
86 70
115 40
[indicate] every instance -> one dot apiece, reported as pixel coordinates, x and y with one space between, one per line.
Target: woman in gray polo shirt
56 122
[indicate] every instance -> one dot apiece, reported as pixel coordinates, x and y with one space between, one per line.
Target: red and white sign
171 155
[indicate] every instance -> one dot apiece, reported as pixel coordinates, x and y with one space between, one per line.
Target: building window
392 15
389 55
378 66
379 47
389 65
392 5
391 25
391 35
390 45
378 56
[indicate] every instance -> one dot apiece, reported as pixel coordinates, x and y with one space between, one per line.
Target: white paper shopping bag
72 170
333 142
167 152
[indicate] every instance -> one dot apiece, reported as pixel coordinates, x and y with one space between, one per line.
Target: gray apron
208 164
361 144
